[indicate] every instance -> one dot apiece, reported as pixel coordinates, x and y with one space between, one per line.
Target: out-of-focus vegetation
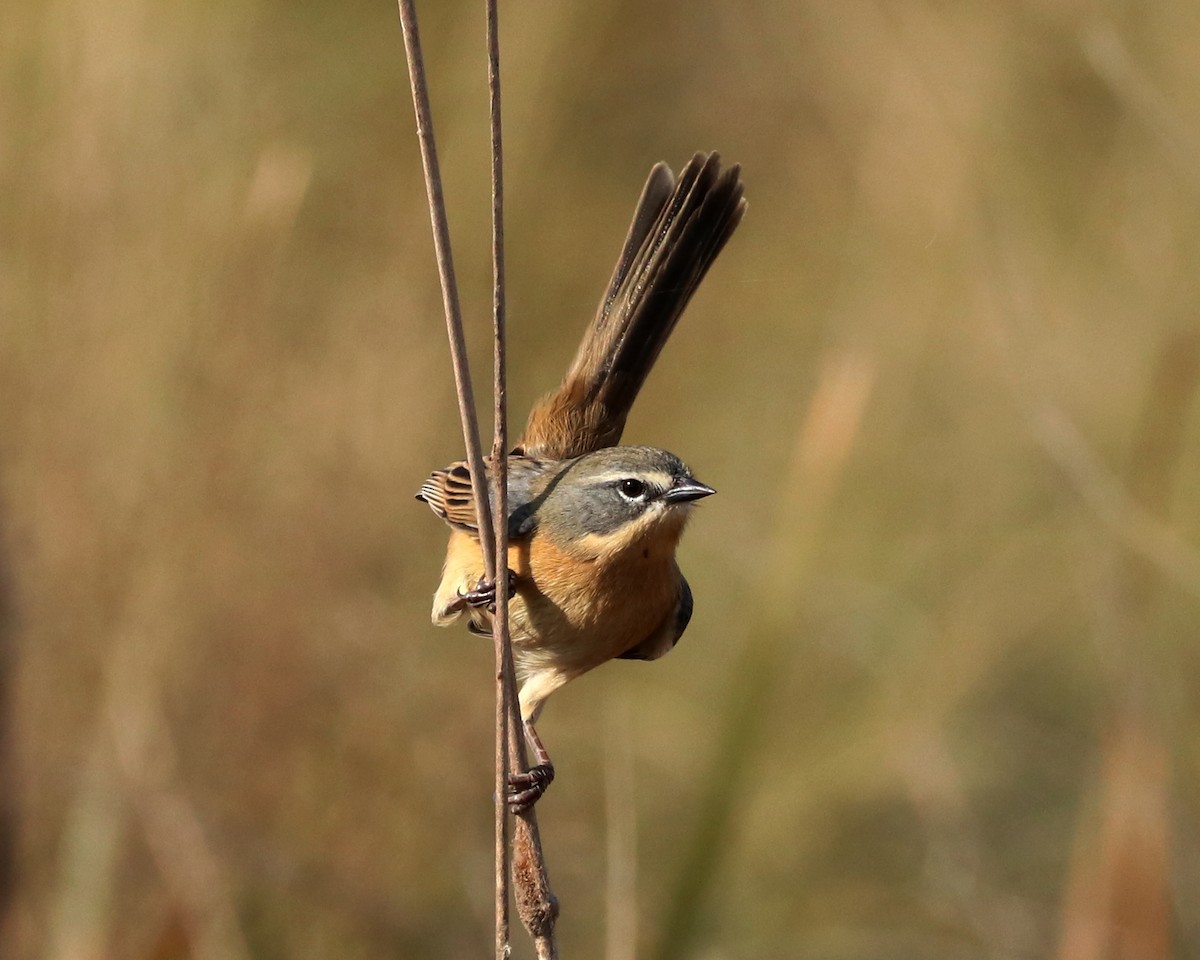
939 698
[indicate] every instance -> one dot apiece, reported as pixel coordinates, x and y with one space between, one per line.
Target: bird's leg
525 789
484 593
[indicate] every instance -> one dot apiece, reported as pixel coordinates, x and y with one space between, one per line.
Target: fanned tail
678 229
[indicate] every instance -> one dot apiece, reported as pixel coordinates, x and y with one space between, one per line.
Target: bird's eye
631 488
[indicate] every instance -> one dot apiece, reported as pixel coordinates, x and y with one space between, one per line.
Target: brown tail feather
678 229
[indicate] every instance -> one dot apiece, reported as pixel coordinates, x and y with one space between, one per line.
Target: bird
593 525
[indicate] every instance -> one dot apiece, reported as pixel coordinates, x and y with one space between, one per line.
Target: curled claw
525 789
484 592
482 595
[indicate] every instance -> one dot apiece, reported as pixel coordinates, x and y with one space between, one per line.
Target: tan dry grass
222 375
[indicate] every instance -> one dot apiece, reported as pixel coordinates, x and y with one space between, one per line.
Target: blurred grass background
939 698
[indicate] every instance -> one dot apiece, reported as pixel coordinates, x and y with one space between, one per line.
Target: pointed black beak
683 491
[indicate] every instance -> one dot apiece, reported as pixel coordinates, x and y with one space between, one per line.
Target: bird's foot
484 593
525 789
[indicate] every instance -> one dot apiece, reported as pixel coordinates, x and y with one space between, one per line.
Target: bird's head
619 498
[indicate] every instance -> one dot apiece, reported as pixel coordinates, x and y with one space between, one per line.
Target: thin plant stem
500 629
445 263
536 904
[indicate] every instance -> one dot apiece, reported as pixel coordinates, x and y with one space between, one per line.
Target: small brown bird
593 525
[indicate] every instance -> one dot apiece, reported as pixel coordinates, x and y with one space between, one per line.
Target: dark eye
632 488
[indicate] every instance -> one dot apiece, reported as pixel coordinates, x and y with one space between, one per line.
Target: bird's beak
684 491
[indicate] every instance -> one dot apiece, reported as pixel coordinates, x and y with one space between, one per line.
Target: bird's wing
450 495
663 640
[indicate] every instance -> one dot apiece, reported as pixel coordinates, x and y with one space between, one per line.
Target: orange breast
574 609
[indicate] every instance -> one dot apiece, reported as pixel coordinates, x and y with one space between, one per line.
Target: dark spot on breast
645 553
